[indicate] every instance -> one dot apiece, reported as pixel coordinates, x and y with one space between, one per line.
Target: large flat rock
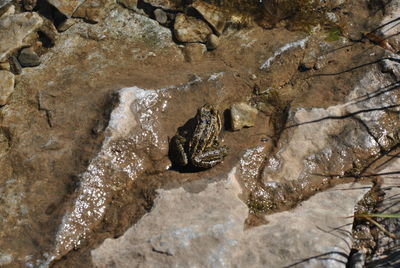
206 229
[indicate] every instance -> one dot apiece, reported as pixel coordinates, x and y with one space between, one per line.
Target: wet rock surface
84 137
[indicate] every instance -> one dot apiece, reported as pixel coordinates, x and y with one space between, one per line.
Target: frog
198 146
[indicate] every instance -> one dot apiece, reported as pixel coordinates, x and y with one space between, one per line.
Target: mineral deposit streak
136 107
299 43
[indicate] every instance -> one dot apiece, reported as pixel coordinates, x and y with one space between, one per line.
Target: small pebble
160 16
212 41
242 115
28 58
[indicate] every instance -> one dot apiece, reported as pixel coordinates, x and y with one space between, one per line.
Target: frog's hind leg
209 158
177 151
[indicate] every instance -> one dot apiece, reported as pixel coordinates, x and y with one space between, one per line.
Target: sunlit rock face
207 229
114 167
15 28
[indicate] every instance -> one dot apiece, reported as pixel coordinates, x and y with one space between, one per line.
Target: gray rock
194 51
14 30
212 41
6 86
206 229
67 7
357 260
216 18
28 58
131 4
242 115
160 16
29 4
189 29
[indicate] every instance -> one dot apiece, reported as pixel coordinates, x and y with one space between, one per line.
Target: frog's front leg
209 158
178 154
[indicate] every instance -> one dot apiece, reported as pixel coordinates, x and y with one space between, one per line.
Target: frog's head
207 110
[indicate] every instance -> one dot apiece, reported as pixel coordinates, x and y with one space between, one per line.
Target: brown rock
14 29
242 115
188 29
5 66
29 4
7 10
49 30
67 7
212 15
131 4
165 4
6 86
16 67
212 41
93 10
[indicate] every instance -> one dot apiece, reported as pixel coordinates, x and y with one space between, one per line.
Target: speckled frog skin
200 148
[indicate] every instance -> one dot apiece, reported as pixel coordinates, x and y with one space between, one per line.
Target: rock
14 30
357 260
3 3
386 254
131 4
212 15
49 30
212 41
166 4
65 25
67 7
5 66
93 10
160 16
7 11
29 4
242 115
189 30
206 229
194 51
16 67
28 58
6 86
